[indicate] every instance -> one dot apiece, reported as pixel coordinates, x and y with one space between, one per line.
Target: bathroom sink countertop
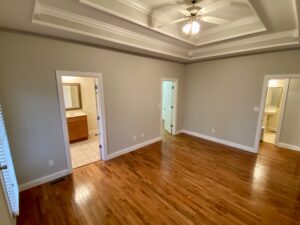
270 110
75 114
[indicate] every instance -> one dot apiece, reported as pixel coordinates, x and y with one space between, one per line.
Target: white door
168 105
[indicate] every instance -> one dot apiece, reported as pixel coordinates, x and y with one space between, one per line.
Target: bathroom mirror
72 96
274 96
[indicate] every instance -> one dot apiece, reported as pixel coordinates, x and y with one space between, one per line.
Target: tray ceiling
228 27
220 19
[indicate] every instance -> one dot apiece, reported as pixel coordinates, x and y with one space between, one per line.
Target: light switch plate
256 109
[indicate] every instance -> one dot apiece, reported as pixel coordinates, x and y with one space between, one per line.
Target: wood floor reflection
181 180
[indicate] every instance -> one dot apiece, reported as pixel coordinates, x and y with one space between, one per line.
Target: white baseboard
43 180
132 148
178 132
220 141
288 146
93 132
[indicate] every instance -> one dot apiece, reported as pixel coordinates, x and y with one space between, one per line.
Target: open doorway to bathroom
82 112
169 106
279 120
274 109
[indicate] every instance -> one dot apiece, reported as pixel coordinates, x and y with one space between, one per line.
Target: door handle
4 167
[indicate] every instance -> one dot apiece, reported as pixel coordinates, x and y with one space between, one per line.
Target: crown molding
50 16
281 39
252 40
246 50
246 22
134 39
296 16
231 37
233 24
145 10
138 5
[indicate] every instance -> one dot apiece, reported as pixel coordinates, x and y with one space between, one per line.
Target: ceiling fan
196 13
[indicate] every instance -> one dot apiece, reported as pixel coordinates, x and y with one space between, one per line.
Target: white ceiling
134 25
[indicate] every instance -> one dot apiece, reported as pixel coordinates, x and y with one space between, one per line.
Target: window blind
7 172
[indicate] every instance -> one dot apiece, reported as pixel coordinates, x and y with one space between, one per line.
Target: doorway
83 120
279 121
169 89
274 109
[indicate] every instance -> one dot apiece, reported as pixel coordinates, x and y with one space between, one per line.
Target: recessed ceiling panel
168 16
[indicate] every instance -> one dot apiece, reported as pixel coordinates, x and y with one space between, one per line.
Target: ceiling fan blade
215 6
184 12
160 10
172 22
213 20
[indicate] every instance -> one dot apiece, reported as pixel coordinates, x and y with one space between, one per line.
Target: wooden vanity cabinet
77 128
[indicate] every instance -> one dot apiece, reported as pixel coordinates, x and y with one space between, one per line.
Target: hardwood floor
181 180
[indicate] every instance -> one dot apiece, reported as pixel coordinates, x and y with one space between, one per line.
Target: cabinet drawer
76 119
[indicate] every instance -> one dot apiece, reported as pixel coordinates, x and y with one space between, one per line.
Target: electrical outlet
51 163
213 130
142 135
134 138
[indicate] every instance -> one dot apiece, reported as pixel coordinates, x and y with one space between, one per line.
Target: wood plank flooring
181 180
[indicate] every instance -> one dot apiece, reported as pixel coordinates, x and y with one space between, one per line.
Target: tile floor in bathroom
269 137
85 152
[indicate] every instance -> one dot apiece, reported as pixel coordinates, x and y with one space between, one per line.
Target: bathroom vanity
77 126
76 119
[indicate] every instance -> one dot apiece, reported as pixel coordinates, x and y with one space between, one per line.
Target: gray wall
222 93
290 130
28 93
216 94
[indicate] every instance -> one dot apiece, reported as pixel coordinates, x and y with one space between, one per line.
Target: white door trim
282 108
175 96
263 103
101 112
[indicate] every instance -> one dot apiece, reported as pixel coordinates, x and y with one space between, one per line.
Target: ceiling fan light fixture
187 28
191 28
195 27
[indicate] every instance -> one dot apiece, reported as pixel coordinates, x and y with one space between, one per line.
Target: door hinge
172 107
98 117
171 125
3 167
100 146
172 87
96 87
